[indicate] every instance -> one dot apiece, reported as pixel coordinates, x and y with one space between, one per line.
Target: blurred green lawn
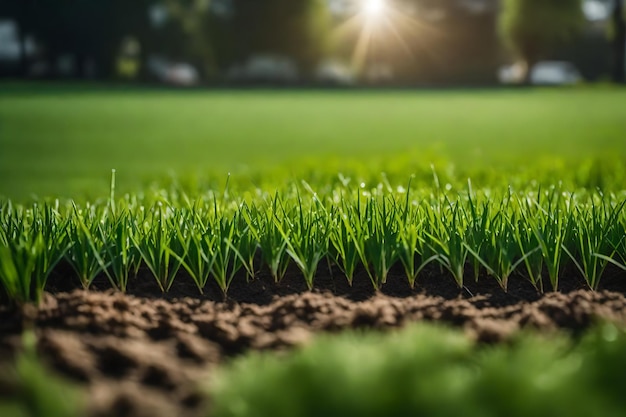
65 141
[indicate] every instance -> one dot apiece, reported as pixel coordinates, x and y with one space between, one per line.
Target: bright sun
374 8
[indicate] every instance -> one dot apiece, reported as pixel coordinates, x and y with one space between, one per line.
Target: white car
555 73
542 73
334 73
174 73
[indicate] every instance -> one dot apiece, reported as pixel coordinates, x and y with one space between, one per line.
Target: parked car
555 73
264 68
174 73
334 73
542 73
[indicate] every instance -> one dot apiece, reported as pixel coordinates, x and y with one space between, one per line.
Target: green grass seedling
371 227
227 259
551 227
32 246
532 258
156 239
477 218
597 236
197 245
86 250
263 226
409 247
306 237
17 268
412 251
445 234
500 254
381 238
247 244
342 248
121 254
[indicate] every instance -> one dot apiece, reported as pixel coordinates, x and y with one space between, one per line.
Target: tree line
430 41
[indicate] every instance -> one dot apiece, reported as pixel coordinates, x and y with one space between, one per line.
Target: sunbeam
381 22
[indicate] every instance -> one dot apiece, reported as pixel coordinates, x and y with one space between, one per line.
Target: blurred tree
619 42
294 28
195 20
222 32
532 27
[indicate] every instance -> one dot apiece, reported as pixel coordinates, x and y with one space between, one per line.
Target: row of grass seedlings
306 235
86 251
155 235
33 243
597 239
264 225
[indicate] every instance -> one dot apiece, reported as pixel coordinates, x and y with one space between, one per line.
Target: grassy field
501 180
65 141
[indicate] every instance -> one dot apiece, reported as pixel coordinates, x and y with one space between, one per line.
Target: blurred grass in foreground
422 370
429 371
64 142
29 389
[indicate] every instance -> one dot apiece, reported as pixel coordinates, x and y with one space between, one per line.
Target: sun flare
374 8
378 25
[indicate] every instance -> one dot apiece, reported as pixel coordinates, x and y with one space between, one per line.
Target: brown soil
143 353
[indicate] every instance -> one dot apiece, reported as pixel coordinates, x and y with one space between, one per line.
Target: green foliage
532 27
297 29
431 371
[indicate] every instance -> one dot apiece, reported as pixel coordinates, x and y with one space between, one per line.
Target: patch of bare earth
143 353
